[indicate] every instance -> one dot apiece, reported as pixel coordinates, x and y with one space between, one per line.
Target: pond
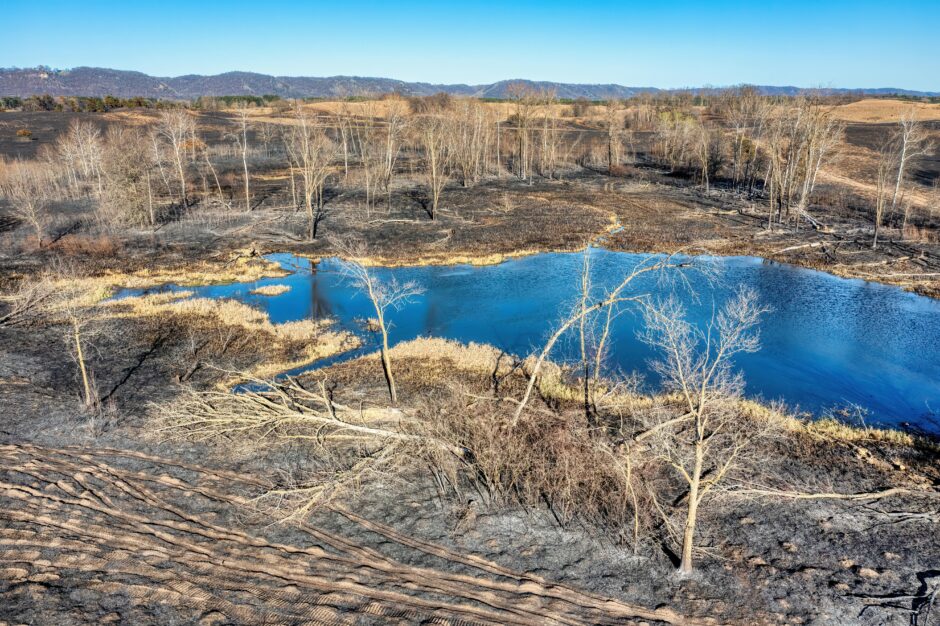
827 342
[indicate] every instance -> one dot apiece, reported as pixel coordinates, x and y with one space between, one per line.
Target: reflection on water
827 341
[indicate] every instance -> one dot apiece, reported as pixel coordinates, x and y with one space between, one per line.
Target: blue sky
660 44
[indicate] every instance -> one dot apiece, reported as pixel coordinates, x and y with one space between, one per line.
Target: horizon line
704 86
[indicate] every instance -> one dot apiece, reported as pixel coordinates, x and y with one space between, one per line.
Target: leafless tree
240 137
27 302
79 150
396 126
550 137
384 296
433 131
311 153
675 138
525 100
703 444
470 129
178 128
887 165
613 127
129 170
912 141
801 139
617 296
29 189
59 296
822 137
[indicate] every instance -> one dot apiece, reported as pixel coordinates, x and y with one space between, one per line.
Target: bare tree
525 100
28 188
706 441
79 150
822 137
178 128
550 137
311 153
615 297
60 297
433 137
469 137
395 129
128 166
799 141
383 296
240 137
613 127
887 164
912 144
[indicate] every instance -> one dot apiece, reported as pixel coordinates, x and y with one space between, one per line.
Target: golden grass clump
92 290
474 357
229 312
270 290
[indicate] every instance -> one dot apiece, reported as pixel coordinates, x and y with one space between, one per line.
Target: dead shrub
89 245
921 234
437 103
552 459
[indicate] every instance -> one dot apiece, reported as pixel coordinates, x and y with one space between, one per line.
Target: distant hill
96 81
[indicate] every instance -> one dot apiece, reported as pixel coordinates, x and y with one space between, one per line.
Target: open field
472 486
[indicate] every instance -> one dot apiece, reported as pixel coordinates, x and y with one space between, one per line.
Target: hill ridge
98 81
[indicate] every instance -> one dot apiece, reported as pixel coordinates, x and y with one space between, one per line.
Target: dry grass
291 345
472 357
229 312
240 267
879 111
448 258
270 290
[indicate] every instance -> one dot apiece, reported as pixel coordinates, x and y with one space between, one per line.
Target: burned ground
107 520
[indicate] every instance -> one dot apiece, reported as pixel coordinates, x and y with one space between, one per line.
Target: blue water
827 342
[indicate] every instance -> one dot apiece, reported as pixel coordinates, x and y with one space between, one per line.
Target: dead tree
433 137
548 146
525 100
469 139
311 152
912 144
617 296
28 188
128 168
79 150
822 138
613 127
178 128
396 125
703 444
887 164
240 137
384 296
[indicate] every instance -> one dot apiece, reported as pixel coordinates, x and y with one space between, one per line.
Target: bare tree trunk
153 217
387 365
80 357
688 535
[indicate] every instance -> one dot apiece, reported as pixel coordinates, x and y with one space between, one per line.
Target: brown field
884 111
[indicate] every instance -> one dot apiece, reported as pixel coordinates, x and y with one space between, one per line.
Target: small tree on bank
704 445
383 295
